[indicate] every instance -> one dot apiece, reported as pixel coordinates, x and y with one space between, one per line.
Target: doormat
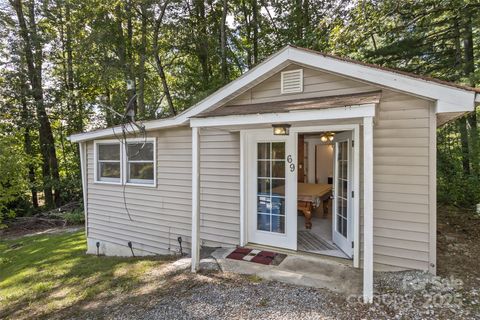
257 256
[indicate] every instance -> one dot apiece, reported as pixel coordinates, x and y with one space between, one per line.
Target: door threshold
345 261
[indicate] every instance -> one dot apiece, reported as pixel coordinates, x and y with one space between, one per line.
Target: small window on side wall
108 162
140 167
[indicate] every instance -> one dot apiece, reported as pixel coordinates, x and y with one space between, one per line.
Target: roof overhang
448 98
346 112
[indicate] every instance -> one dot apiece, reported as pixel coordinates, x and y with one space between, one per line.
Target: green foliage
74 217
13 182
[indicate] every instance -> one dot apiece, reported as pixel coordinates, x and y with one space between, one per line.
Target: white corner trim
243 165
356 198
359 111
368 210
432 193
84 173
195 199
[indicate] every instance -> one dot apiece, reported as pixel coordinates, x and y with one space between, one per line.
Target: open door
272 190
342 233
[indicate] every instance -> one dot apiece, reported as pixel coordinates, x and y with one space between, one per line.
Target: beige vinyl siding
157 216
219 188
401 182
316 84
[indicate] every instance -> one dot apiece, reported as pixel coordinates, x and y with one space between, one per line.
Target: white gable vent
292 81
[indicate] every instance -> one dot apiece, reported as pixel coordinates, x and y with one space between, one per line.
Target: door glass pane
263 187
263 168
278 169
271 186
264 150
341 188
263 222
278 224
278 150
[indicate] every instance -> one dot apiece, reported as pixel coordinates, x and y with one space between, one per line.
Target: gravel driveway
217 295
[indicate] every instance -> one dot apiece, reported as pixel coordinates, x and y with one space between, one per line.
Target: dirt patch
458 245
23 226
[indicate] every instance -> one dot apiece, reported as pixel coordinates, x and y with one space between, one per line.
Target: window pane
278 169
263 186
278 206
142 171
263 168
109 170
109 151
278 224
263 150
263 204
140 151
278 187
263 222
278 150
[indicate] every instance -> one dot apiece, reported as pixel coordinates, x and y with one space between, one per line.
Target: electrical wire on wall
130 130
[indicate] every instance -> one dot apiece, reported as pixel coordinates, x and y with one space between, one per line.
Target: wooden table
309 196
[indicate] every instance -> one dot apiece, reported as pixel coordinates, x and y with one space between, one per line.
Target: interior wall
324 156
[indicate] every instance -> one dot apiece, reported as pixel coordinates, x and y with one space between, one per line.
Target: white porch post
368 209
195 199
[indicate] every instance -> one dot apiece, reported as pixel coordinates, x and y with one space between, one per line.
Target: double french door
271 190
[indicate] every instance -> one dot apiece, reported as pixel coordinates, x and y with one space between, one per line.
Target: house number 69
292 165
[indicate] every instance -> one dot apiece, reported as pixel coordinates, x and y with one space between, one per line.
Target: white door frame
294 131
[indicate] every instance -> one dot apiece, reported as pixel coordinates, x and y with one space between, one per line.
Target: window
108 162
140 162
131 163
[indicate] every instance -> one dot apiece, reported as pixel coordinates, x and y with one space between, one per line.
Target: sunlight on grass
48 273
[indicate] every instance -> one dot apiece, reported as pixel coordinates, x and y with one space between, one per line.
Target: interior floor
318 239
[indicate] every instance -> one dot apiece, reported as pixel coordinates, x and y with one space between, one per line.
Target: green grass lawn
45 274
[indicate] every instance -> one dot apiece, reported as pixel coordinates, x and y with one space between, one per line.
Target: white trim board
449 98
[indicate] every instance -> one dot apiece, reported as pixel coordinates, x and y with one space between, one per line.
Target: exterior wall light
281 129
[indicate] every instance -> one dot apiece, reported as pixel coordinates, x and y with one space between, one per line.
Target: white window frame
97 179
137 182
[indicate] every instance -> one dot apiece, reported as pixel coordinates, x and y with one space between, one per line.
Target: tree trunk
462 124
141 66
202 41
223 40
158 60
255 31
47 144
469 70
27 139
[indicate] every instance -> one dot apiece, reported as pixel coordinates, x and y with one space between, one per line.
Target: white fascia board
358 111
117 131
454 99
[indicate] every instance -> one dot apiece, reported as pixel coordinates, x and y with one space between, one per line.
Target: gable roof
449 97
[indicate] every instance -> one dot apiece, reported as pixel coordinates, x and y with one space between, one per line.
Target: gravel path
225 296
